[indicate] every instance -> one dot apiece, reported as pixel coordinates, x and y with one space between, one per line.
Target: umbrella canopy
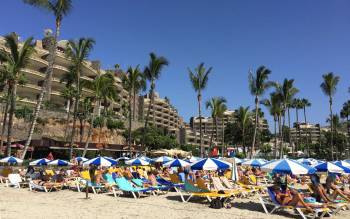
342 163
163 159
149 160
177 163
237 160
192 159
101 161
211 164
137 162
81 159
39 162
122 158
287 166
307 161
253 163
60 163
11 159
328 167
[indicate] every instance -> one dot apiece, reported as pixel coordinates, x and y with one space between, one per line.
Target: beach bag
216 203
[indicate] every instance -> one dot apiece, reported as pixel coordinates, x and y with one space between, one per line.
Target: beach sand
22 203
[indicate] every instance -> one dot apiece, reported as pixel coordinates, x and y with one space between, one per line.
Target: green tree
199 79
345 114
217 105
242 117
286 92
77 51
258 84
329 87
15 59
274 105
60 9
133 81
152 73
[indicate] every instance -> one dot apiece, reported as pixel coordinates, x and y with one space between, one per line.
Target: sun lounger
169 184
126 187
271 200
47 188
193 190
15 180
244 191
96 188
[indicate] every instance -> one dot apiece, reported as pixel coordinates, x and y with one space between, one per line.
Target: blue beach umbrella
137 162
39 162
342 163
329 167
192 159
60 163
122 158
163 159
101 161
11 160
254 163
211 164
177 163
81 159
287 166
149 160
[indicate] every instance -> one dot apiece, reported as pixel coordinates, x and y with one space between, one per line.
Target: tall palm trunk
289 138
134 106
211 136
281 136
298 140
47 81
275 129
147 116
75 113
199 98
89 132
11 113
223 136
8 99
81 132
331 120
67 122
130 124
243 141
256 126
348 127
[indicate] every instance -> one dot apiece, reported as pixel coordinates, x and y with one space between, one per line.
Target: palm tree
133 81
306 103
60 9
329 87
68 94
152 73
345 114
104 88
258 84
14 61
199 79
77 51
274 105
217 105
336 124
297 104
287 92
242 116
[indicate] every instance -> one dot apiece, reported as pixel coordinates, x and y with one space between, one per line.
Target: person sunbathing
319 191
44 180
330 185
292 198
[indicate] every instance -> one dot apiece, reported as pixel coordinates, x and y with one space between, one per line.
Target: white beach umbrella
177 163
11 160
59 162
211 164
101 161
137 162
39 162
287 166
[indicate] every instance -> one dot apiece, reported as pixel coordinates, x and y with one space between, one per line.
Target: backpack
216 203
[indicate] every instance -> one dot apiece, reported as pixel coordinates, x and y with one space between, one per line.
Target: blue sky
294 38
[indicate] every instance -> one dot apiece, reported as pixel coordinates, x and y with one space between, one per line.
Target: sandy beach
21 203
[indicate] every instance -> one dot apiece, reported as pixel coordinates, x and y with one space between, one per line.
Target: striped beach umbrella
137 162
59 163
237 160
122 158
329 167
287 166
254 163
177 163
101 161
307 161
342 163
11 160
192 159
211 164
149 160
39 162
163 159
81 159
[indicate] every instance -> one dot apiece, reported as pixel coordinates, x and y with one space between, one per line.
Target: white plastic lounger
14 180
